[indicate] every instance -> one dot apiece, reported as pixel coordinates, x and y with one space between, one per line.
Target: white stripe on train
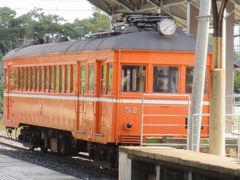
100 99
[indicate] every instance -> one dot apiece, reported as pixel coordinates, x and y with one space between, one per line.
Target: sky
68 9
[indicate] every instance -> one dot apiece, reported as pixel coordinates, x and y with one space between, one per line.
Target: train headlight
128 125
167 27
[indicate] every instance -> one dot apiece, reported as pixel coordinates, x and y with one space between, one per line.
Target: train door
100 93
81 102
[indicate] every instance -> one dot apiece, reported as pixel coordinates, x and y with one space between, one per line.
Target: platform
169 163
14 169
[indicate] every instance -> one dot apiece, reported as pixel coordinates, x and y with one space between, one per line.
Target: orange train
87 95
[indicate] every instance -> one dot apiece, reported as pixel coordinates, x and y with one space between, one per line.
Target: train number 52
130 110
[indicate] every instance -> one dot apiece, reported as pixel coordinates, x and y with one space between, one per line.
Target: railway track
10 142
77 166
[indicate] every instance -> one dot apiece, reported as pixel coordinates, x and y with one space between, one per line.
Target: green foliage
237 57
237 81
17 31
1 96
79 28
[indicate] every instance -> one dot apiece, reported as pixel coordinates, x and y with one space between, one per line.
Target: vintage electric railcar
88 94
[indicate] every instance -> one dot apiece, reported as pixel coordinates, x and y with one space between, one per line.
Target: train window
20 79
110 76
15 78
133 78
82 79
42 79
189 80
33 78
51 78
46 78
26 78
91 77
68 77
58 79
103 79
23 78
37 78
29 78
63 72
74 69
165 79
11 78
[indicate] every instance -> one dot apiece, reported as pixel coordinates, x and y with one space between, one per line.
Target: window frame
88 77
146 77
206 81
109 90
178 78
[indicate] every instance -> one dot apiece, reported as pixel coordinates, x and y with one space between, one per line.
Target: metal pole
142 121
217 108
194 124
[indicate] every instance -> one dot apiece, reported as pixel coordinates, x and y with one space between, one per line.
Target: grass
2 127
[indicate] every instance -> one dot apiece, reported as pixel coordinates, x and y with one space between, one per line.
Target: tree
6 31
34 25
79 28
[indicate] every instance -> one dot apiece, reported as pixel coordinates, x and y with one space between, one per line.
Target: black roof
145 40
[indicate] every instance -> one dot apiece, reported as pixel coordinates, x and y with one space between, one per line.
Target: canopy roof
176 8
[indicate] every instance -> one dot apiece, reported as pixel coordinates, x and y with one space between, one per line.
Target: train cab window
91 77
133 78
189 80
110 76
82 79
103 78
165 79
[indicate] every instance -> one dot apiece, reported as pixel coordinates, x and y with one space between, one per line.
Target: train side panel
165 115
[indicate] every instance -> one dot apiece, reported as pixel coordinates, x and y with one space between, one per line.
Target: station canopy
178 9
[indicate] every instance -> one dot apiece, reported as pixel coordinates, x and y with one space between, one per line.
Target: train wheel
44 149
61 146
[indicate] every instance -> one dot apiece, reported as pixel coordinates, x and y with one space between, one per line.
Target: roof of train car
140 40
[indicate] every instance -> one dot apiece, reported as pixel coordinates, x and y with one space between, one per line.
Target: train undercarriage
63 143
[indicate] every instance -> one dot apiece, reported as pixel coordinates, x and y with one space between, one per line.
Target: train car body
93 89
